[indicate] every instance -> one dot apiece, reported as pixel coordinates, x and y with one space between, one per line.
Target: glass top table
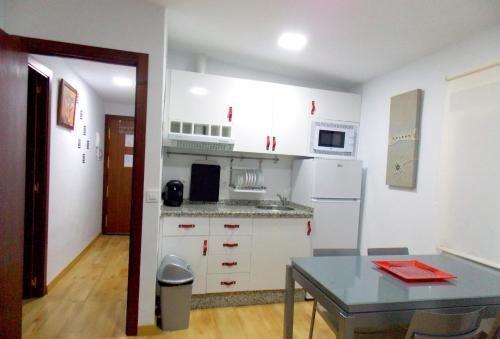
360 293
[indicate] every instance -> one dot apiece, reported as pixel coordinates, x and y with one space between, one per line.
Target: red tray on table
413 270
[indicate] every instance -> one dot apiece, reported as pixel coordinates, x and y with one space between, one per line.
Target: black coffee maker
173 193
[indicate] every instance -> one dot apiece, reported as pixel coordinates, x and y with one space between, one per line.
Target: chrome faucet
283 199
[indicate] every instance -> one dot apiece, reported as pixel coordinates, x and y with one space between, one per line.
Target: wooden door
13 94
37 185
118 162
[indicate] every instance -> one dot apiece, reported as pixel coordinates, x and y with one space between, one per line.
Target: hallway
89 302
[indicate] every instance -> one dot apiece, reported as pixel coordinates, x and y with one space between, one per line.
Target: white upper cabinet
202 98
291 120
336 105
252 123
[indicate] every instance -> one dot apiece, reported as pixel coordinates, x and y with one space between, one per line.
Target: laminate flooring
90 301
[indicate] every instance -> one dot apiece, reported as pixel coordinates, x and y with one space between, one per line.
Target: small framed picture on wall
67 105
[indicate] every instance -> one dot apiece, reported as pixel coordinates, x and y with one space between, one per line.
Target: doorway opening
14 89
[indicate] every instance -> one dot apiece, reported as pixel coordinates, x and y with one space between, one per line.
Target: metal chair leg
313 316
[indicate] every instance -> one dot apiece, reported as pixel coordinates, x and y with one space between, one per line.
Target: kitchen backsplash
277 176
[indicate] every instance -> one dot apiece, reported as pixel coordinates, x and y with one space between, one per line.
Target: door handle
230 114
228 283
309 228
268 143
187 225
230 244
274 144
205 247
313 107
232 263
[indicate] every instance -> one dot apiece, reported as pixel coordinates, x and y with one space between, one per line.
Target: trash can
175 279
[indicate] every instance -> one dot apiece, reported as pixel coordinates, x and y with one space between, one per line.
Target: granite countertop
235 208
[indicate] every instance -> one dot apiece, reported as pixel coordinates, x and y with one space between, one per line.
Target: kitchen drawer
230 282
185 226
229 244
228 226
229 263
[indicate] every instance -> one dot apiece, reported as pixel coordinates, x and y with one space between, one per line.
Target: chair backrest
327 252
388 251
494 331
445 324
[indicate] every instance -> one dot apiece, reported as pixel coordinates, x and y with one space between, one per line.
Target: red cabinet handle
231 263
309 228
205 247
230 114
313 107
231 226
274 143
228 283
230 244
187 225
268 143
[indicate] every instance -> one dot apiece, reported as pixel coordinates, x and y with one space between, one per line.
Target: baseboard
73 262
148 330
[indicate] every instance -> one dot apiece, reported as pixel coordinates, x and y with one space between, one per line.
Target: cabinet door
252 123
291 119
275 241
191 250
202 98
336 105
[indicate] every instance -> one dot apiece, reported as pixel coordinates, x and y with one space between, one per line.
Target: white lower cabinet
191 249
275 241
235 259
229 282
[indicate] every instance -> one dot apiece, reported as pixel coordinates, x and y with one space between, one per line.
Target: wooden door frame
140 62
42 244
107 117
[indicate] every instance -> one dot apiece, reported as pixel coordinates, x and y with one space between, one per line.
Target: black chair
427 324
327 252
491 328
388 251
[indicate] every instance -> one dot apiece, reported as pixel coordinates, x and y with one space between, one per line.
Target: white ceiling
350 41
100 75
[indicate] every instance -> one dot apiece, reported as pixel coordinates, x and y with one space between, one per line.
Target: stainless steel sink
275 207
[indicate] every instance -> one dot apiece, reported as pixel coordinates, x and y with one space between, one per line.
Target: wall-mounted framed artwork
67 105
404 135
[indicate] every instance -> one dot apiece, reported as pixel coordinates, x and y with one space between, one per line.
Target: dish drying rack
247 180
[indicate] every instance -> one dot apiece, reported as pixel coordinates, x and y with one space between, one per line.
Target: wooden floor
90 300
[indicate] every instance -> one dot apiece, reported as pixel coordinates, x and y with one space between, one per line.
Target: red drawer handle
274 143
231 226
268 143
230 114
228 283
309 228
187 225
313 107
205 247
229 244
232 263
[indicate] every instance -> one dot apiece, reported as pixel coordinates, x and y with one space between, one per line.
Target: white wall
186 61
395 217
277 176
2 13
121 24
119 109
75 188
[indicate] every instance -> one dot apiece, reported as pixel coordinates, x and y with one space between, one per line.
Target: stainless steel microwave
334 138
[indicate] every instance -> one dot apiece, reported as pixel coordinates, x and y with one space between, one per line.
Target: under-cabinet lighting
292 41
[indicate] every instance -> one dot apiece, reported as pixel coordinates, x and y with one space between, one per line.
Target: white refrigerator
333 188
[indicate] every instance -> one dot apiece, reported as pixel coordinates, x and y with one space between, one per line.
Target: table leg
346 329
289 304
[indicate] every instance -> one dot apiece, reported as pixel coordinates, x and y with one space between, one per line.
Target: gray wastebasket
175 279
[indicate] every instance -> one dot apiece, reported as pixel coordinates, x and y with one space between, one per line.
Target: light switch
152 195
